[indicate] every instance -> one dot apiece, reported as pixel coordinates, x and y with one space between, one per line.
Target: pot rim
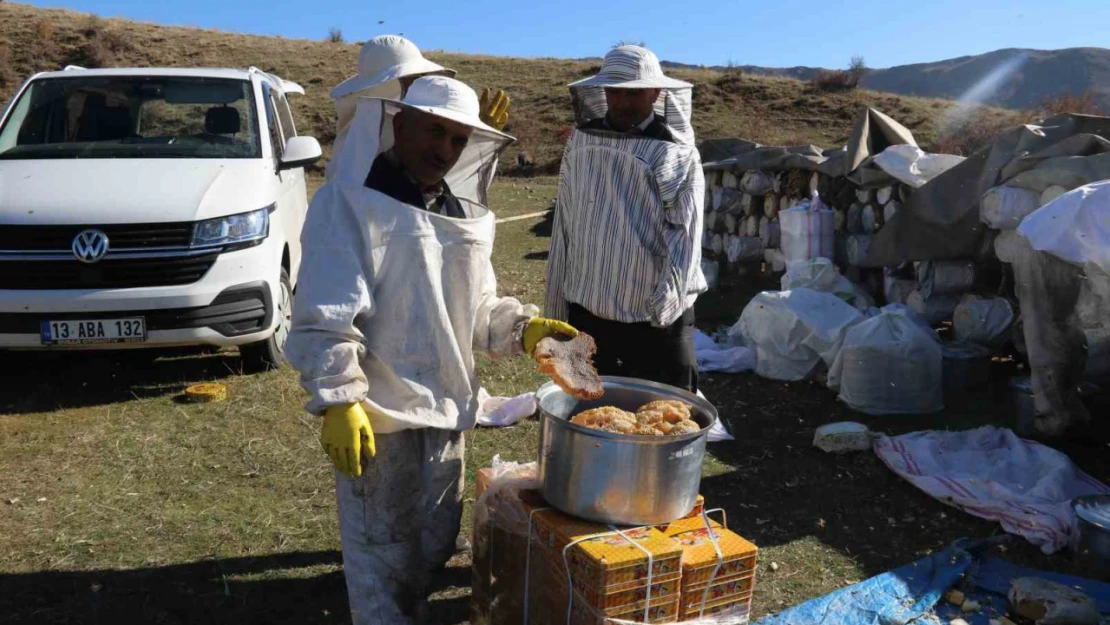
702 405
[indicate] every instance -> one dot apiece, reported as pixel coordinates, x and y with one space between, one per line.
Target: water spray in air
982 90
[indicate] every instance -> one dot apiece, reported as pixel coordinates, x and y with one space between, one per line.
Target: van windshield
132 117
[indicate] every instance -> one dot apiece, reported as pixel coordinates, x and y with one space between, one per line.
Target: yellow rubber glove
345 436
540 328
495 108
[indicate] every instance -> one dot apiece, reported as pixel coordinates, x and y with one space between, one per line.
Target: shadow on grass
782 489
44 381
543 228
266 589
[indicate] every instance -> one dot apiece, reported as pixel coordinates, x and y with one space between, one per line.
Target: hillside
768 110
1037 75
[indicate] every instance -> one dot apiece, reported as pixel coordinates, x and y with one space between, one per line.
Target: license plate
94 331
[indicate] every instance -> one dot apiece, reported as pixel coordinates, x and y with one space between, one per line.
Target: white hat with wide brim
447 98
385 58
631 67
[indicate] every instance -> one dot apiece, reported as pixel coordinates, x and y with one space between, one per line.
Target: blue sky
777 33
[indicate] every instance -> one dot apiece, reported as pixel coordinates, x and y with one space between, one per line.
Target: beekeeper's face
428 146
628 107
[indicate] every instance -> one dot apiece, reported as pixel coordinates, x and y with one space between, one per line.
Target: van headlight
242 230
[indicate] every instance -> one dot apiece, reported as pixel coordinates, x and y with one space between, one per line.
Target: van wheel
269 354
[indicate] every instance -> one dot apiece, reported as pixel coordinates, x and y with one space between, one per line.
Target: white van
148 208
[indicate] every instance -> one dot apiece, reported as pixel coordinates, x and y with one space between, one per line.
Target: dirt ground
120 505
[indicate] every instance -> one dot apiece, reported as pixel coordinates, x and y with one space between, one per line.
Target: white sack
854 222
982 320
711 269
864 196
884 195
897 290
775 259
806 233
711 218
933 310
1007 246
717 245
890 364
744 249
732 222
1051 193
730 180
890 210
500 412
770 206
757 183
793 332
821 274
769 232
945 277
731 201
1075 227
871 219
1003 208
751 226
716 202
746 205
858 246
914 167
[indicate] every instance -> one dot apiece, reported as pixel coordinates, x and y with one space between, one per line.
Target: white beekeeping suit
382 63
393 301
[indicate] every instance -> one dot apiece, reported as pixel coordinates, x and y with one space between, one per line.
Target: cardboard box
733 609
699 557
719 593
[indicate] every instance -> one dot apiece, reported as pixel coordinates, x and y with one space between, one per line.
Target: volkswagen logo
90 246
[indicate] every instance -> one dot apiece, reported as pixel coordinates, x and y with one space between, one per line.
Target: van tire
269 354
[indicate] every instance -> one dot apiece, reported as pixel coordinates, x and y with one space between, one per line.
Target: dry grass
1083 104
768 110
834 80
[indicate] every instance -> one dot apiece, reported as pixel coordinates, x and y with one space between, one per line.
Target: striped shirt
628 225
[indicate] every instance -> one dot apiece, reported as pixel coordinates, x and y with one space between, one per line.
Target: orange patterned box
582 614
736 608
699 557
718 593
608 560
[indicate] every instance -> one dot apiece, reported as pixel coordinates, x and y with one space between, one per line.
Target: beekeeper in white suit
396 293
387 65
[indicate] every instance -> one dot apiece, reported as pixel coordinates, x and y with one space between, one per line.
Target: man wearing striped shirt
625 261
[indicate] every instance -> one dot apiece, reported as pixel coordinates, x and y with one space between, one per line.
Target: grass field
119 504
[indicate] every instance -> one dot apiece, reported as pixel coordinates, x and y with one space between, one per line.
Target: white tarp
890 364
911 165
820 274
712 357
1074 227
793 332
992 474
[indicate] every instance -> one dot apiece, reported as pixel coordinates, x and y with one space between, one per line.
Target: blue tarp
914 591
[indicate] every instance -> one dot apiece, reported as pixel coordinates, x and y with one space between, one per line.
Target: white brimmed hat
631 67
447 98
385 58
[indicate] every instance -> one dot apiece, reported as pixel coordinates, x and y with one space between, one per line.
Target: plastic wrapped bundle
718 193
982 320
806 233
711 218
890 364
757 183
858 246
769 232
854 223
839 220
746 205
884 195
897 290
706 240
945 277
744 249
864 196
933 310
1008 244
731 201
1003 208
784 202
730 180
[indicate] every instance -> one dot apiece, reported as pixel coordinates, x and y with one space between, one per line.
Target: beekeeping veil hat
636 67
382 63
434 95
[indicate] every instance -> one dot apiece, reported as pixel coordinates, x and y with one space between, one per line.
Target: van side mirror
300 151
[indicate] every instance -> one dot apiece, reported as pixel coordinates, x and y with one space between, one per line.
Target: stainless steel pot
617 478
1093 514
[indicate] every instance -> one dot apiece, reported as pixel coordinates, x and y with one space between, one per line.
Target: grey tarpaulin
874 133
940 221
